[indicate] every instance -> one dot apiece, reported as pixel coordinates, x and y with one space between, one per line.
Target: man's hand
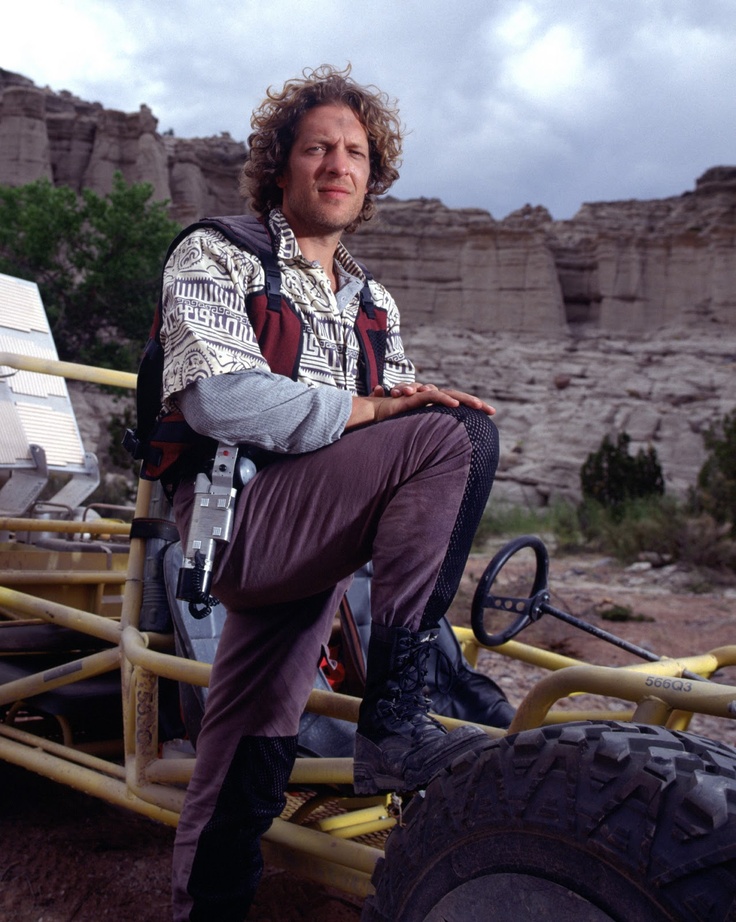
405 397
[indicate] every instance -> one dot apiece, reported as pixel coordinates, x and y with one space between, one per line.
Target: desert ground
67 857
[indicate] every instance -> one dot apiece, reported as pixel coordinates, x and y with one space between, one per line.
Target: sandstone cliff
616 267
623 317
80 144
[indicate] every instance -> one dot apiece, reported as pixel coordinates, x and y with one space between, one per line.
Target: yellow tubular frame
327 850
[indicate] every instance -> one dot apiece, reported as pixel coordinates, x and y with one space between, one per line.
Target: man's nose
338 161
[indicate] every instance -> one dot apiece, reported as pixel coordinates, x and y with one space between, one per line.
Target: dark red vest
160 441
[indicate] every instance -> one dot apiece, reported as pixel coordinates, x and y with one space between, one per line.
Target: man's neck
319 249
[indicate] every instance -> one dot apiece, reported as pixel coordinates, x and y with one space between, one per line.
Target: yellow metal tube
352 818
345 854
105 376
130 614
333 704
564 716
62 526
306 771
137 653
66 674
74 618
326 873
144 688
629 685
322 771
535 656
301 816
364 829
165 798
652 711
70 754
679 720
704 664
169 771
81 778
63 577
133 594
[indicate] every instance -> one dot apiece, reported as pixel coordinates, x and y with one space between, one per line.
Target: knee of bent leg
481 429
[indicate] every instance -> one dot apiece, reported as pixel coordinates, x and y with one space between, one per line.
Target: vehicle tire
585 822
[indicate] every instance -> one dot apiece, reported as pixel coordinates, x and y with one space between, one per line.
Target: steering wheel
527 610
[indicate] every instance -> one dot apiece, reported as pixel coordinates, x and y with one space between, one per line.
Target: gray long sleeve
256 407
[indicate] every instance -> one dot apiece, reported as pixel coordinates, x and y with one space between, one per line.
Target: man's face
326 177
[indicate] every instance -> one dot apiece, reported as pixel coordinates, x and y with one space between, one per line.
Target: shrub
716 488
559 520
611 477
633 527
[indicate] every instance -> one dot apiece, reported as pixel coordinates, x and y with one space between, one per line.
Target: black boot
398 746
457 690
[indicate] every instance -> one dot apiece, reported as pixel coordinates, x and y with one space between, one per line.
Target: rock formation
557 396
616 267
458 264
622 318
80 144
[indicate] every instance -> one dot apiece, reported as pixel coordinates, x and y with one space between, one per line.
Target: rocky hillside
616 267
623 317
60 137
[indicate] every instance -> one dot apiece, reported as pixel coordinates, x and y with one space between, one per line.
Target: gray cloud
551 102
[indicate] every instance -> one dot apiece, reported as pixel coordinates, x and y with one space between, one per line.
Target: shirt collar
287 246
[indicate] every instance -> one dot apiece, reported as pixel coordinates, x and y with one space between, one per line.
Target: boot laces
405 694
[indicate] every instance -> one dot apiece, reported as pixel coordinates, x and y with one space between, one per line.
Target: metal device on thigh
211 522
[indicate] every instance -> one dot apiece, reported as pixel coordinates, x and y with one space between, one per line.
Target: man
361 462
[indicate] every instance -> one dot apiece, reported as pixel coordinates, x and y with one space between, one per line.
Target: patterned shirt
206 330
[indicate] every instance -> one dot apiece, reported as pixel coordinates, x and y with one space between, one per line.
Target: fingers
425 394
413 387
470 400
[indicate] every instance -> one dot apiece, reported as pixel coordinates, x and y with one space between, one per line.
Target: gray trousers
406 493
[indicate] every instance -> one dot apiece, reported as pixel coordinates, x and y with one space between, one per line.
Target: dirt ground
67 857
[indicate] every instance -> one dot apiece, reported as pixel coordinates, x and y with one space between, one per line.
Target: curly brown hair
275 125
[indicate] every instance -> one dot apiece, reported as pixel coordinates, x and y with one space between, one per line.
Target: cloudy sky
507 102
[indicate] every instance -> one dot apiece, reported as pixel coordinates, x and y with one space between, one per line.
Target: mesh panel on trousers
227 863
483 437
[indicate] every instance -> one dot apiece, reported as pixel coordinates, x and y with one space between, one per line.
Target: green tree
612 477
97 262
716 487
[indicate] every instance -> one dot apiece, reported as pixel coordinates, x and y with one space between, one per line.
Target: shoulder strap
246 231
252 234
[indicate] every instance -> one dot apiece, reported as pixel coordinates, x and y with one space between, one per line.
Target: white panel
21 307
28 382
13 442
55 432
34 408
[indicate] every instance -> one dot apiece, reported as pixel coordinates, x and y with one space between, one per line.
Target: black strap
154 528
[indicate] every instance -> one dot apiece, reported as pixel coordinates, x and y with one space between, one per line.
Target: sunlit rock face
622 318
618 267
